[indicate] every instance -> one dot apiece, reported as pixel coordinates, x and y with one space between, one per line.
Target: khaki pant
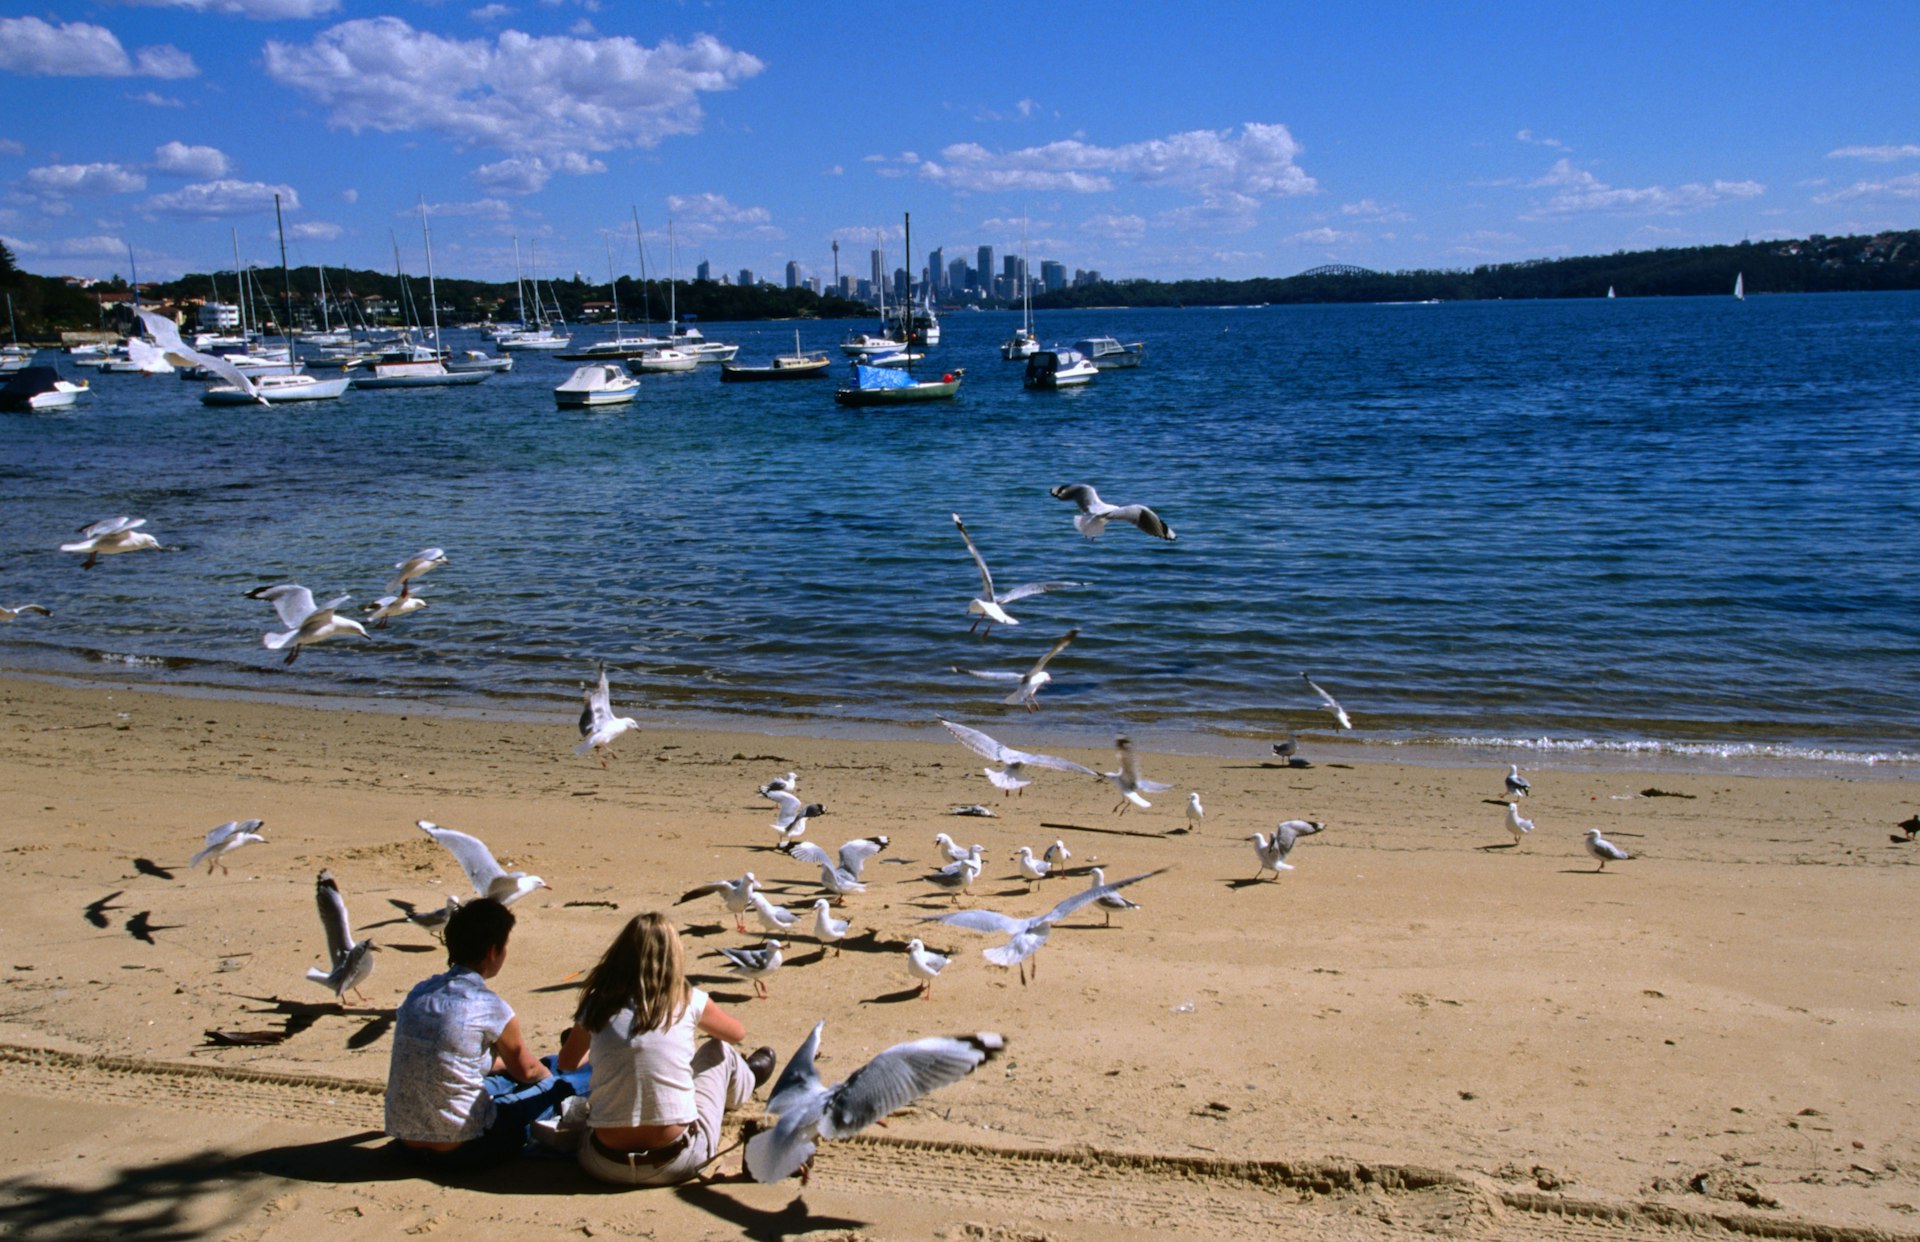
721 1080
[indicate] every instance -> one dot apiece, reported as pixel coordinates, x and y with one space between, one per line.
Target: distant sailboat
1609 290
1740 287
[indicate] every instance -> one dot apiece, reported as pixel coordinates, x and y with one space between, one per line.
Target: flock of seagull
806 1109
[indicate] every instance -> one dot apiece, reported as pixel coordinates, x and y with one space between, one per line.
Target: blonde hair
644 969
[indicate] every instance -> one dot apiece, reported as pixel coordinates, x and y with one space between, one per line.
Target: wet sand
1421 1029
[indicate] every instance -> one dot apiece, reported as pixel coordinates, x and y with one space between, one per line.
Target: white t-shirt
646 1079
443 1037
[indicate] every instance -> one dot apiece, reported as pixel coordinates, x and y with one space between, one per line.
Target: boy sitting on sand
463 1085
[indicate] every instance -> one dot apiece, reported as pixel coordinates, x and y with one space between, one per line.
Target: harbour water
1677 527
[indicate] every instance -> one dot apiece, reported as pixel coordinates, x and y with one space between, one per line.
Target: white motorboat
1109 355
1023 343
477 360
898 359
538 338
39 388
597 383
865 345
662 361
1058 368
278 390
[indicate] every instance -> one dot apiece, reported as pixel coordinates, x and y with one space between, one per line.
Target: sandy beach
1420 1030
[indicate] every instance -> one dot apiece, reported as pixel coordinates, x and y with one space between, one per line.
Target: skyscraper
1052 275
703 273
793 273
937 269
985 267
956 278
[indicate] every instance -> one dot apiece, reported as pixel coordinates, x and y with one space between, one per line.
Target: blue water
1684 525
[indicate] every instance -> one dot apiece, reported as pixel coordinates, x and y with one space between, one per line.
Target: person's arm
514 1059
574 1049
720 1024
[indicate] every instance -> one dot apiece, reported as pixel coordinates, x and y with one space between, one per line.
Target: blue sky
1154 140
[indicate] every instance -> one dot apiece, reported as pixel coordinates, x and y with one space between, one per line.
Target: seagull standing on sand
948 850
754 965
598 725
110 537
1272 851
1109 901
1517 826
1026 936
1032 869
387 607
1332 704
1287 749
1030 681
307 623
827 929
808 1109
419 563
1058 853
925 965
488 878
1603 849
1195 812
14 613
989 607
793 816
1517 786
1095 513
957 877
1011 776
1129 781
224 840
736 895
773 918
349 961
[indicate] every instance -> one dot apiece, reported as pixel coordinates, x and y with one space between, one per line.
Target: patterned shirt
443 1039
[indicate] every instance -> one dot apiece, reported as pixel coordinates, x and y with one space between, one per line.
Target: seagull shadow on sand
1110 832
1246 883
96 911
146 866
1499 845
893 998
141 927
760 1225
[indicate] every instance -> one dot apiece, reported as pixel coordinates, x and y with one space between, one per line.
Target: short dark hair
476 928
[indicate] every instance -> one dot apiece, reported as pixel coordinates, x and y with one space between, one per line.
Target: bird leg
292 655
92 557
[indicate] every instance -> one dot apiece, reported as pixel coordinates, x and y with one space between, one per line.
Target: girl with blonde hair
657 1099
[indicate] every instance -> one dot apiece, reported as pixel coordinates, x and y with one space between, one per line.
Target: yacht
661 361
597 383
1108 354
1058 368
277 390
39 388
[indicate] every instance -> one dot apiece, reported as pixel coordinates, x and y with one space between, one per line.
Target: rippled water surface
1673 524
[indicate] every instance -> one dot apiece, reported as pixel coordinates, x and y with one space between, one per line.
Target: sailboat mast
519 282
673 283
433 301
613 286
906 307
286 279
646 302
238 285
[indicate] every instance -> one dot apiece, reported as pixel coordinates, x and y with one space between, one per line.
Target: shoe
761 1063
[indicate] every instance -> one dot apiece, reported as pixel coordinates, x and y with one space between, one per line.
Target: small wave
137 661
1696 750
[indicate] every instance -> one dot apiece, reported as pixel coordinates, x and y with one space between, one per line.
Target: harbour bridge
1339 269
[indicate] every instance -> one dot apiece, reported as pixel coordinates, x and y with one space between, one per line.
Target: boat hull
932 390
810 369
277 394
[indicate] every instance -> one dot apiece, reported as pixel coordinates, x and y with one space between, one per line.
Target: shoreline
1545 753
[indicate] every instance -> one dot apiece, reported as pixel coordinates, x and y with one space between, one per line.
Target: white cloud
518 93
12 146
705 217
154 99
1367 209
82 50
99 246
64 179
1878 155
1532 139
259 10
490 12
314 230
211 199
834 170
491 208
1324 236
1578 192
1230 173
1115 227
525 174
350 195
1907 187
184 161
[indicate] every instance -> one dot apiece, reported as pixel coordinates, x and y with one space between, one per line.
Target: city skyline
1256 142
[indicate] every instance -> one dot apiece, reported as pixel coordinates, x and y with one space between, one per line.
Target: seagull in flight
350 961
487 876
14 613
1011 776
224 840
808 1109
1517 826
419 563
598 725
1517 786
306 622
1095 513
790 783
110 537
1332 704
1026 936
1272 851
1030 681
839 876
754 965
989 607
792 818
1603 849
1129 781
736 895
387 607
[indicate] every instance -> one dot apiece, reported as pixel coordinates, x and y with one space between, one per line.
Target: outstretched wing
470 852
986 578
166 334
1082 495
808 852
986 675
111 526
981 921
1032 588
1332 704
974 740
1059 645
333 918
854 854
599 709
1146 519
292 601
901 1075
1087 896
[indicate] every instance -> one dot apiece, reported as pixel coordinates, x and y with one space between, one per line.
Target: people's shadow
759 1224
